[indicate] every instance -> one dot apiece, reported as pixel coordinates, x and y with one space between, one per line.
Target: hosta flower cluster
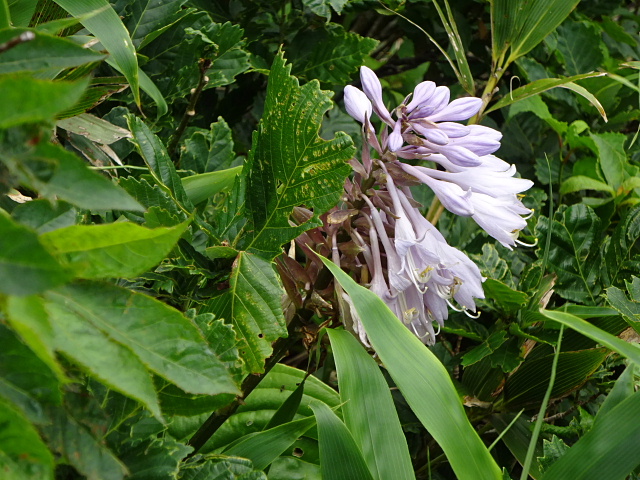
379 233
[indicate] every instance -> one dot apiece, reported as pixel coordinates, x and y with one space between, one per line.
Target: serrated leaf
221 468
329 54
579 44
552 451
156 459
26 99
26 267
289 164
230 59
111 250
206 151
574 254
629 308
23 455
102 21
143 325
151 17
77 447
152 196
504 297
537 87
45 53
252 304
44 216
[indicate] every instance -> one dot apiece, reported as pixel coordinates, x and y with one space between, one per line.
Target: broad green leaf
264 447
150 17
521 26
340 457
205 185
158 458
77 447
628 308
102 21
22 11
574 253
5 14
609 450
505 298
44 216
23 455
537 87
94 128
28 317
329 54
292 468
289 164
369 411
579 44
490 345
581 182
287 411
219 467
26 267
631 351
619 249
45 53
27 100
611 156
321 7
111 250
56 172
252 304
157 159
529 383
423 381
152 196
206 151
143 324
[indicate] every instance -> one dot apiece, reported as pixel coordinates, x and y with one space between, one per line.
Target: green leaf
423 381
143 325
28 100
111 250
289 164
628 350
529 383
486 348
205 185
157 159
264 447
26 267
71 180
609 450
288 409
618 251
156 459
292 468
102 21
506 298
149 18
537 87
580 90
369 411
252 304
206 151
329 54
579 45
45 53
94 128
152 196
581 182
611 156
22 11
44 216
517 439
321 7
28 317
340 457
221 468
552 450
5 16
622 389
628 308
23 455
230 58
521 26
574 254
77 447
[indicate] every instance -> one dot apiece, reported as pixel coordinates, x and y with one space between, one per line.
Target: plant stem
203 65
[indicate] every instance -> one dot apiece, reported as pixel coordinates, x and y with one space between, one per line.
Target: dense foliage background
157 320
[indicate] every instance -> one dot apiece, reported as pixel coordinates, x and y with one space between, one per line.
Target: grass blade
423 381
368 409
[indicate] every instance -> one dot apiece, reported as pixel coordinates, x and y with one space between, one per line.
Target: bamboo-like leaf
580 90
205 185
368 409
22 11
5 16
537 87
609 450
424 382
631 351
102 21
340 457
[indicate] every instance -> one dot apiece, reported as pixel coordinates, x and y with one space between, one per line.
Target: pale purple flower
357 104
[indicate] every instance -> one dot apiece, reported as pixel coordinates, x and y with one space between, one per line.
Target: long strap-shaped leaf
368 409
423 381
340 457
103 22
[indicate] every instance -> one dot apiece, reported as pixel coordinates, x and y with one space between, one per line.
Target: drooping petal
373 89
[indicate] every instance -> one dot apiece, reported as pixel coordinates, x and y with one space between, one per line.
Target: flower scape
378 232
